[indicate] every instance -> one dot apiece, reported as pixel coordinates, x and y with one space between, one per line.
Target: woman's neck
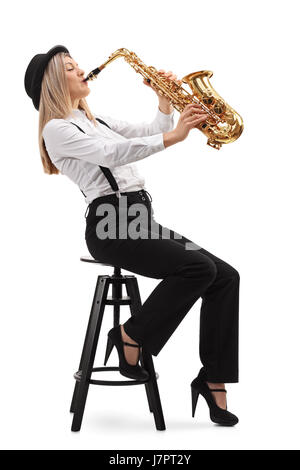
75 104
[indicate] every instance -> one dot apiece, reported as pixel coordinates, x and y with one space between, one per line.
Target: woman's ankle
215 385
126 337
220 398
131 354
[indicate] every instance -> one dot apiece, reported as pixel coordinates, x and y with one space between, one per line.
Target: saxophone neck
118 53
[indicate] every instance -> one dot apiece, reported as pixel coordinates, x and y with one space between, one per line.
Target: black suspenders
107 173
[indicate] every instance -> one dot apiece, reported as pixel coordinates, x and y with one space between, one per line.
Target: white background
240 203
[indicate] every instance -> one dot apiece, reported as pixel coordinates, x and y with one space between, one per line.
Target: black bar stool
84 373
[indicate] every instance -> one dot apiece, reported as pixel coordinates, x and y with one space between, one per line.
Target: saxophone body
223 126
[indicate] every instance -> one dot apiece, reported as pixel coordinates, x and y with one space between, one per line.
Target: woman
97 152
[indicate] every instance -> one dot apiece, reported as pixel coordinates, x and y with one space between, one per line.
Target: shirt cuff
156 141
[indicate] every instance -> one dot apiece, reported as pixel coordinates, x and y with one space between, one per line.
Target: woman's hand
169 75
164 102
191 116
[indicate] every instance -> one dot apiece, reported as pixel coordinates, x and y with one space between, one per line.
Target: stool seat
89 259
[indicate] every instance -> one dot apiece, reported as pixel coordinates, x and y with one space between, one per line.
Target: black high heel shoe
131 371
217 415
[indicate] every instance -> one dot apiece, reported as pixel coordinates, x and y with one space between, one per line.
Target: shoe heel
195 395
109 349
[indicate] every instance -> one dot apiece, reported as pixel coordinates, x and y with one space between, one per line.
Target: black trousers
187 272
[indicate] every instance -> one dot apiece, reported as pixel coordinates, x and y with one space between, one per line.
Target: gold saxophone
223 126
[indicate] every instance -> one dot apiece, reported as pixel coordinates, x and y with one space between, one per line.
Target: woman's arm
165 107
162 123
64 140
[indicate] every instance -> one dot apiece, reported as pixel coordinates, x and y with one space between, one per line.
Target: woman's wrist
165 106
170 138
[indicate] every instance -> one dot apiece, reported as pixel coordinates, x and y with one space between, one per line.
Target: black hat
35 72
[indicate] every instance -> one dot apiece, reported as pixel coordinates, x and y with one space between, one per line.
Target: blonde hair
55 103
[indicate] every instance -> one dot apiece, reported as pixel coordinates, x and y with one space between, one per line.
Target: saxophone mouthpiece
93 74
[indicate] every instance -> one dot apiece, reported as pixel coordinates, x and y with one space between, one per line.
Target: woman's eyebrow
69 63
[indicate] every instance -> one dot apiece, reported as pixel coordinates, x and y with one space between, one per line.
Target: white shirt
77 155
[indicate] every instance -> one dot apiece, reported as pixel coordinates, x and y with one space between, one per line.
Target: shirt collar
78 114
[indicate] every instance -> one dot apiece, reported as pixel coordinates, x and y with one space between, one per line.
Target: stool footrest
125 300
77 377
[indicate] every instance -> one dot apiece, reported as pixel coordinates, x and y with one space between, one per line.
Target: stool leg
116 294
73 404
146 358
89 350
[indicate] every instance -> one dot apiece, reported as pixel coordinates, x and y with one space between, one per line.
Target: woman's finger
193 119
167 74
172 76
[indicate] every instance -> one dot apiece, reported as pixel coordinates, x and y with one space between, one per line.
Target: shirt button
143 199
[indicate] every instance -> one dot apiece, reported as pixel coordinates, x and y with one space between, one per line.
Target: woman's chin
85 93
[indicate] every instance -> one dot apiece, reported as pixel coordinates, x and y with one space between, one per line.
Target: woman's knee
202 270
232 274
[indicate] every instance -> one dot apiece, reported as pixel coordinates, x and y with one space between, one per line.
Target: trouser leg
219 321
169 302
219 325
